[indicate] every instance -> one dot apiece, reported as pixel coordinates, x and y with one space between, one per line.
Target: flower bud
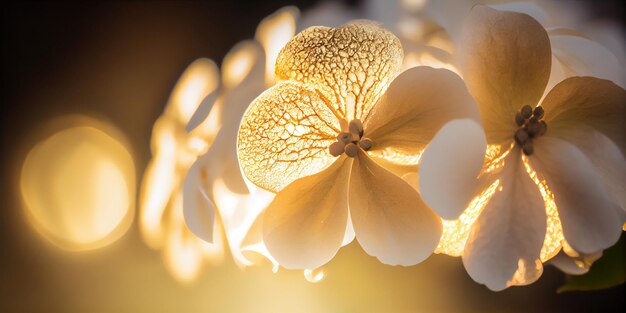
336 149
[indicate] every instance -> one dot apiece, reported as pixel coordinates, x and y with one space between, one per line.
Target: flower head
310 138
566 152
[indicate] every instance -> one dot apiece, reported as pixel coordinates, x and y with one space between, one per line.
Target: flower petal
575 265
581 56
589 217
390 219
609 162
587 101
351 65
415 106
450 166
509 232
198 209
285 135
305 225
506 64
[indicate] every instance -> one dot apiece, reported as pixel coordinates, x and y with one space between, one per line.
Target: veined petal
285 135
589 217
305 225
390 219
587 101
509 232
351 65
198 209
415 106
450 166
506 64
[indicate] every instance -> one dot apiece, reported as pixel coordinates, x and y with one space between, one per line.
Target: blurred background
117 62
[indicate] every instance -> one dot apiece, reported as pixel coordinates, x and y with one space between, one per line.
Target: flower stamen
350 141
531 126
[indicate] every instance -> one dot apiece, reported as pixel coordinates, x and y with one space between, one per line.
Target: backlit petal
589 217
509 233
505 62
587 101
351 65
306 223
285 135
415 106
390 219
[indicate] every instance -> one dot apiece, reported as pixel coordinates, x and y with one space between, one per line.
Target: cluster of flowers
490 136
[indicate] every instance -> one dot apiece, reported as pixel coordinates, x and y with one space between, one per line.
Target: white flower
566 153
303 138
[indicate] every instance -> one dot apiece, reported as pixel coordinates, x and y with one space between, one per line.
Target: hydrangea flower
567 152
313 138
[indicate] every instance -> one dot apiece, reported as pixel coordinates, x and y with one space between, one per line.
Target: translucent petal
305 225
285 135
450 166
587 101
506 64
415 106
509 233
589 217
351 65
390 219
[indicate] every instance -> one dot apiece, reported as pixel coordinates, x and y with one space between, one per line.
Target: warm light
199 79
456 232
314 276
78 187
174 150
238 64
273 33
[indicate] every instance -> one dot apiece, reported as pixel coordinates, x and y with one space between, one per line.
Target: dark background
119 61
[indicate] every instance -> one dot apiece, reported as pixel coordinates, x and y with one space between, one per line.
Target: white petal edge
450 165
589 217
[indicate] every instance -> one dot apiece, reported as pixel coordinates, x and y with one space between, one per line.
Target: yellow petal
285 135
508 234
415 106
587 101
390 219
305 225
351 65
506 63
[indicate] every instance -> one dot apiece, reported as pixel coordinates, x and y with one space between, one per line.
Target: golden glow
314 276
456 232
184 253
199 79
273 33
396 156
238 64
526 273
174 150
554 233
78 187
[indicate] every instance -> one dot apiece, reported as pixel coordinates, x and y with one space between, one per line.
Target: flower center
349 142
531 126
